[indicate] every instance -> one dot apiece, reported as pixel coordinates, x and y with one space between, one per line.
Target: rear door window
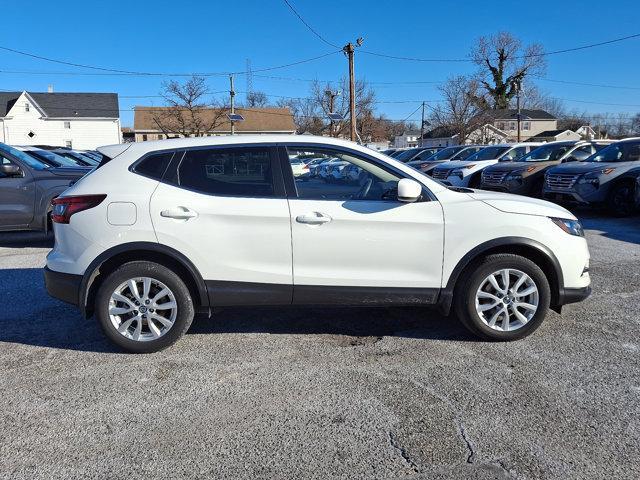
154 165
244 172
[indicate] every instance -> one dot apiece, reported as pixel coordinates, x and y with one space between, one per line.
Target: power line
412 113
159 74
586 84
541 54
311 29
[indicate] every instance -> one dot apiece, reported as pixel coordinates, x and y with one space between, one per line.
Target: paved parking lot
324 393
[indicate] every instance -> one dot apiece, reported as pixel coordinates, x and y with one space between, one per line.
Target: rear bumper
574 295
63 286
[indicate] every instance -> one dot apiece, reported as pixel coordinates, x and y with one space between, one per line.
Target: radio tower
249 77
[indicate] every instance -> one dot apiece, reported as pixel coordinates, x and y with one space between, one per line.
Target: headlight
589 179
457 173
572 227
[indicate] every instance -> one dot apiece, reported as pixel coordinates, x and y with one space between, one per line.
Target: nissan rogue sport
162 230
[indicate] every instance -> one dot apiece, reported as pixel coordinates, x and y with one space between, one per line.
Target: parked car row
30 177
586 172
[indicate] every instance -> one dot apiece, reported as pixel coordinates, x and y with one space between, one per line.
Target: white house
407 139
75 120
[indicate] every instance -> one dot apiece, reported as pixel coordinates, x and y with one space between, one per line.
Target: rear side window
244 172
153 166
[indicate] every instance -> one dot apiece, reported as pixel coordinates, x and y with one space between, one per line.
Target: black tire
475 181
183 300
473 277
536 188
620 201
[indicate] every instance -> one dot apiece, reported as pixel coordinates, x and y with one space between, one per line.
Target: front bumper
63 286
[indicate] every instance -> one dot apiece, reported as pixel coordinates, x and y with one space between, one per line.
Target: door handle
179 213
315 218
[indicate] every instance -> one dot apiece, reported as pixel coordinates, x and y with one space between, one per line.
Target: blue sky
217 36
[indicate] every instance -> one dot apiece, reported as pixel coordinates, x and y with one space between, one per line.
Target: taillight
64 207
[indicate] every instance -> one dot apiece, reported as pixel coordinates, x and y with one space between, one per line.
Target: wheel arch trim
557 293
93 269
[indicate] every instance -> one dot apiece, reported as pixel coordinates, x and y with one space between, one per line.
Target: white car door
354 242
225 209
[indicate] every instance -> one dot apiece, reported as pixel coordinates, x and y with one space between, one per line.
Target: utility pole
422 125
518 115
332 96
349 49
232 94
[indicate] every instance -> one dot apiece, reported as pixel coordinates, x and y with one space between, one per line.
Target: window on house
501 125
144 137
160 136
512 125
67 125
67 143
526 125
26 106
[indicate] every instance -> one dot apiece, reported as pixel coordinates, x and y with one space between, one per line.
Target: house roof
512 114
442 131
551 133
255 119
67 105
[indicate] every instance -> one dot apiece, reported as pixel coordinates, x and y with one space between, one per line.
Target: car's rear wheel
620 201
144 307
503 297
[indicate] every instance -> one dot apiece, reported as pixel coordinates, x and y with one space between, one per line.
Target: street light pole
349 49
332 95
422 125
232 94
518 115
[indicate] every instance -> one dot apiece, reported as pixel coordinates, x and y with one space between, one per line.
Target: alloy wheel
507 300
142 309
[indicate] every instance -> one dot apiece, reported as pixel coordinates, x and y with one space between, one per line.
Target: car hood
580 167
464 163
509 203
512 166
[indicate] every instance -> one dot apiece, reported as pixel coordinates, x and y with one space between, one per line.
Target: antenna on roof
50 88
249 78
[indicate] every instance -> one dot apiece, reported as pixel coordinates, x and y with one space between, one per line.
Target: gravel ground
324 393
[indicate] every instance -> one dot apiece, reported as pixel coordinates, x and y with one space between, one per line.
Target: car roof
141 148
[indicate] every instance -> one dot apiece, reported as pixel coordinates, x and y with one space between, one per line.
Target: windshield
463 154
407 154
546 153
488 153
22 156
446 154
616 152
53 159
77 157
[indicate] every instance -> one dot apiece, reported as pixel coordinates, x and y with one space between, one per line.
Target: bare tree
365 101
635 124
188 113
459 110
503 64
305 114
257 100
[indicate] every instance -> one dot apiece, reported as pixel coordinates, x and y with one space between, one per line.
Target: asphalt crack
467 441
403 452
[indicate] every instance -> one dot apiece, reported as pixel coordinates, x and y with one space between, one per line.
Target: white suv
162 230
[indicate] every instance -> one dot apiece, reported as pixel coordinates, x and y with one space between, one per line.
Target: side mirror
409 190
10 170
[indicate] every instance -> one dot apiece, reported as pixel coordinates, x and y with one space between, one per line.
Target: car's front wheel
503 297
144 307
620 201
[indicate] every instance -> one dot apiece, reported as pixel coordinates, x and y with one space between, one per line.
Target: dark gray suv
27 186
